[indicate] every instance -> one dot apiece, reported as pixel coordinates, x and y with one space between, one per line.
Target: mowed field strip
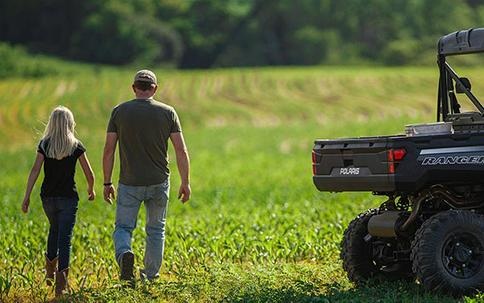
256 229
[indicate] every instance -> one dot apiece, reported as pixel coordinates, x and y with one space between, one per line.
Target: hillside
256 97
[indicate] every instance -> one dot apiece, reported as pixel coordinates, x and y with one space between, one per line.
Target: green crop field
256 229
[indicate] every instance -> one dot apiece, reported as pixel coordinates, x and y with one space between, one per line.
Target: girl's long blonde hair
59 133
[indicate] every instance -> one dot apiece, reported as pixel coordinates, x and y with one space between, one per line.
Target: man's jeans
61 213
129 201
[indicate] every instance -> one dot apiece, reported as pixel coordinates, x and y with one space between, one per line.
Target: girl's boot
50 269
61 282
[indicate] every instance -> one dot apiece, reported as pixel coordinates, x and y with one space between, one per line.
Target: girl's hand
91 193
25 205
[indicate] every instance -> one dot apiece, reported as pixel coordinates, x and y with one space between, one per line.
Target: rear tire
358 255
448 253
355 251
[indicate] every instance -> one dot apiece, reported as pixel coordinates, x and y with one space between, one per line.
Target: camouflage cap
145 75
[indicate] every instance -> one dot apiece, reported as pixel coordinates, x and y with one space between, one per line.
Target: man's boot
126 265
61 282
50 269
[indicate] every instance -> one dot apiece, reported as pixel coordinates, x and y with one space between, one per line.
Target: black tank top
59 174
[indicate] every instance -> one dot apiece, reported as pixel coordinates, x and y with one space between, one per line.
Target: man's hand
91 194
108 163
183 163
184 192
25 205
109 193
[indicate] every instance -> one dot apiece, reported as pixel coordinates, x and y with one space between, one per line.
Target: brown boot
61 282
50 269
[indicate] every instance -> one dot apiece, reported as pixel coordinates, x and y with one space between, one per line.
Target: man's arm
108 164
183 163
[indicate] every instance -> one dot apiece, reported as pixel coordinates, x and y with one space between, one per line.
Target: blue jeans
155 198
61 213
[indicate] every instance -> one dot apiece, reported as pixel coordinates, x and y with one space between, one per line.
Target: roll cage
469 41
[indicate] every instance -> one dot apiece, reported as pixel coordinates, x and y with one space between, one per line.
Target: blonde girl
58 151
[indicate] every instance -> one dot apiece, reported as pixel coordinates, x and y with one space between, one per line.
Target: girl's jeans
61 213
155 198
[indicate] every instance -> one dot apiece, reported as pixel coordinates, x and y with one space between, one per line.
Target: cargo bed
397 163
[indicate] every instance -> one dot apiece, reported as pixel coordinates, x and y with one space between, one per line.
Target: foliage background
213 33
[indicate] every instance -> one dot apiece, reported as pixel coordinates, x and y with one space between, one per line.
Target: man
142 126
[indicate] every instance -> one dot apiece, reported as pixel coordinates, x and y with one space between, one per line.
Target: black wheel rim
462 255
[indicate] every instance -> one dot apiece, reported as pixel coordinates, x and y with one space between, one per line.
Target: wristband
108 184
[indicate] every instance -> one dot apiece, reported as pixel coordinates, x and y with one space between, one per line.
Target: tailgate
352 165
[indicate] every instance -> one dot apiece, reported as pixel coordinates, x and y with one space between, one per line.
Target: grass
256 229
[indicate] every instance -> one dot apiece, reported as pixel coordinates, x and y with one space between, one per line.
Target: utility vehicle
431 227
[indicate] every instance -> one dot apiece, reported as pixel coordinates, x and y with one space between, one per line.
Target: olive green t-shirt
143 127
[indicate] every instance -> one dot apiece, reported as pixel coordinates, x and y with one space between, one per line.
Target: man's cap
145 75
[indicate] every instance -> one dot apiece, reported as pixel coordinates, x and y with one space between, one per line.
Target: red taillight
395 155
399 154
390 155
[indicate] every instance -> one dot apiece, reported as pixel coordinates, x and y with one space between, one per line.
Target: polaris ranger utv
432 225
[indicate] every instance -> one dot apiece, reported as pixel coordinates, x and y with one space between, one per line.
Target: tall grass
256 228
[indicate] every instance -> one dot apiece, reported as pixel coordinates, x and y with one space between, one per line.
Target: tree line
214 33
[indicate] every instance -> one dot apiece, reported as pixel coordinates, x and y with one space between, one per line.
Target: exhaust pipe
385 225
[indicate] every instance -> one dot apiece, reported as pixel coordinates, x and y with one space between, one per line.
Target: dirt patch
61 89
285 147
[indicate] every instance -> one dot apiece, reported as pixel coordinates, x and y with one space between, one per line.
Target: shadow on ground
308 292
297 291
